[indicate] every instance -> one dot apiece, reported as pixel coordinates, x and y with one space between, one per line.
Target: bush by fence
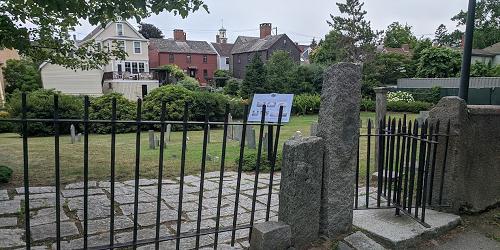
250 162
101 109
5 127
306 104
5 174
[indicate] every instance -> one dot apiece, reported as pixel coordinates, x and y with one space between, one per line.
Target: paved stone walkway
42 211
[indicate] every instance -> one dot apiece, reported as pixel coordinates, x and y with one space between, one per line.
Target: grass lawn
41 154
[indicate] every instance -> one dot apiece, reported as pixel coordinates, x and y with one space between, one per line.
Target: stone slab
402 231
48 231
11 237
70 193
91 184
8 221
360 241
47 216
4 195
465 241
102 225
271 235
10 207
37 190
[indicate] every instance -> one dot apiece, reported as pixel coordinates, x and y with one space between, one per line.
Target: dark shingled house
245 48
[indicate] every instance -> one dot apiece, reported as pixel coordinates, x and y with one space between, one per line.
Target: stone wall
472 170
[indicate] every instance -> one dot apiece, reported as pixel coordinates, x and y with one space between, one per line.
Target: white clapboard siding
72 82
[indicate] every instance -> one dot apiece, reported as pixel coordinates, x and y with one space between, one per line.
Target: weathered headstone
250 137
301 177
151 134
72 133
79 137
208 134
339 127
380 112
237 132
230 130
265 142
167 134
314 128
157 140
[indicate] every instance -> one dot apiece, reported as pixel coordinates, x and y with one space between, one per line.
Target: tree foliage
397 34
387 68
329 50
41 30
148 30
443 38
279 70
21 75
439 62
255 78
355 35
487 23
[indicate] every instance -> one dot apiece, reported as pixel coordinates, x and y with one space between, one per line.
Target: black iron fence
139 124
403 153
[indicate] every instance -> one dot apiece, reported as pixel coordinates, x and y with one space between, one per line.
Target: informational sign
273 103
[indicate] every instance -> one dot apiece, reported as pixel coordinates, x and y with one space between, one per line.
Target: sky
300 20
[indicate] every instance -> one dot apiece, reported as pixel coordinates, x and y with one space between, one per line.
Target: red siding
157 59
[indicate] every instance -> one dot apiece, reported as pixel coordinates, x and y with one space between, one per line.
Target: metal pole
466 59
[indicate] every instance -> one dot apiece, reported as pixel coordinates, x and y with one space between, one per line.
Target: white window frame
140 47
124 44
118 30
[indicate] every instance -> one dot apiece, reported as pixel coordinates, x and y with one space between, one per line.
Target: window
141 67
134 68
127 67
249 58
98 46
205 58
205 73
121 45
188 58
171 58
137 48
284 42
239 60
119 29
227 60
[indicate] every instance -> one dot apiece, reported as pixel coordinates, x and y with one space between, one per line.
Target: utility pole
467 53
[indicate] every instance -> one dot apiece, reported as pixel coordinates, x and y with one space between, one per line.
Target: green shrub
101 109
40 105
367 105
306 104
5 127
250 162
412 107
175 98
399 96
232 87
237 107
5 174
189 83
432 95
208 103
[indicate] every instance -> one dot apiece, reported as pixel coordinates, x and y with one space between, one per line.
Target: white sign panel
273 103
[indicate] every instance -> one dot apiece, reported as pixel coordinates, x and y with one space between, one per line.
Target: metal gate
138 124
403 153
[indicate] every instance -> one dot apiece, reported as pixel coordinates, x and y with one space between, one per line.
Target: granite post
338 125
271 235
314 129
72 133
152 143
250 137
167 134
301 178
380 112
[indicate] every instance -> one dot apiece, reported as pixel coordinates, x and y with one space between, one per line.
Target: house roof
245 44
189 47
493 49
101 28
223 49
481 52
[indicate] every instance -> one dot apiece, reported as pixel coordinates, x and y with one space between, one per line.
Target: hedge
306 104
5 174
40 104
5 127
411 107
431 95
250 162
101 109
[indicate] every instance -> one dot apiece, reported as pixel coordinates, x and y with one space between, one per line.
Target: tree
255 78
42 30
329 50
443 38
148 30
387 68
21 75
279 70
314 44
221 77
439 62
487 23
308 78
356 35
398 34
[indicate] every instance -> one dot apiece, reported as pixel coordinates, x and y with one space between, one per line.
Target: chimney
405 47
265 29
179 35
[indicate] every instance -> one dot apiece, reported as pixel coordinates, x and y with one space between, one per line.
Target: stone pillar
338 125
380 112
301 178
152 143
314 129
271 235
167 134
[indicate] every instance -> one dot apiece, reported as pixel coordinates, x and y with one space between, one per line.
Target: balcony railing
115 75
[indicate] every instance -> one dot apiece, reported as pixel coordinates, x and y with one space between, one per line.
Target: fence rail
138 123
406 166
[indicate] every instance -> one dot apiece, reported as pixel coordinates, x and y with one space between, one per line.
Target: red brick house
197 58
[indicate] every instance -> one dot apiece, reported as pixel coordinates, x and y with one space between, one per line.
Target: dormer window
119 29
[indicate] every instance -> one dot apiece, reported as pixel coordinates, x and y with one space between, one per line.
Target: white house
223 50
131 76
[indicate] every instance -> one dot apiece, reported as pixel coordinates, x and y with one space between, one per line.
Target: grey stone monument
339 127
152 143
79 137
167 134
301 178
72 133
314 128
208 134
237 132
380 112
250 137
265 142
230 130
